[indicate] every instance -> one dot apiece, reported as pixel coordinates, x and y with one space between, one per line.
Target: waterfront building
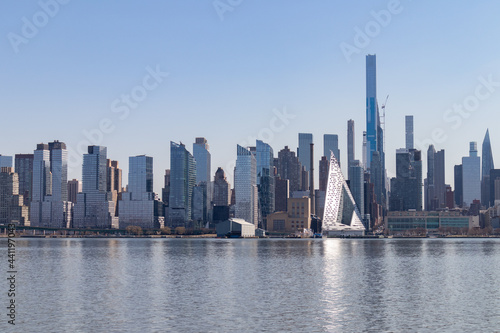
137 204
50 206
397 222
94 206
245 186
12 208
296 218
406 187
341 215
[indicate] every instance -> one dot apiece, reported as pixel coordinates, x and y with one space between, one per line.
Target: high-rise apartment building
289 167
435 189
406 187
265 179
202 157
356 184
74 187
5 161
458 193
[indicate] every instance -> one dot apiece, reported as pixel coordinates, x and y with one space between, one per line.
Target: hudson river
251 285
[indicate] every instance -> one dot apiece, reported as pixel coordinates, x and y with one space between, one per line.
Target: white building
245 186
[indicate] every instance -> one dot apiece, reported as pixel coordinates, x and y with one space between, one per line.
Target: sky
135 75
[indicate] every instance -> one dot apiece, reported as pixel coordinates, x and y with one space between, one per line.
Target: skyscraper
364 152
202 157
94 207
331 143
409 132
435 189
406 187
372 115
324 166
182 182
12 209
471 175
487 165
356 184
245 186
305 140
289 167
265 178
74 187
50 206
222 189
24 169
350 142
374 133
137 206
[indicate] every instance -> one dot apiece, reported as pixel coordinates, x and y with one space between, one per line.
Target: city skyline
76 83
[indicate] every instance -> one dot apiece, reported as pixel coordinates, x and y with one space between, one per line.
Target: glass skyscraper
304 150
471 175
331 143
182 182
409 132
265 178
350 142
245 186
202 157
487 166
372 115
5 161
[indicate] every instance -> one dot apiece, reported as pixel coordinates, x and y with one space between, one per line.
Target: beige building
297 218
12 208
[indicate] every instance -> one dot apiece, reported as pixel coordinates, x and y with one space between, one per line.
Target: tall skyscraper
350 142
289 167
331 143
356 184
471 175
374 133
435 189
137 206
222 189
245 186
365 152
487 165
24 169
305 140
94 207
458 193
265 178
494 189
202 157
372 115
50 206
409 132
5 161
182 182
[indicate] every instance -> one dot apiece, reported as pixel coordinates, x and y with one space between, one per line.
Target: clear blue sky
227 76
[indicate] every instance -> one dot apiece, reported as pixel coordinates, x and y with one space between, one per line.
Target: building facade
245 186
182 182
471 176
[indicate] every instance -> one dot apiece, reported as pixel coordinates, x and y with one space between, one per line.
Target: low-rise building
400 221
297 218
234 227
